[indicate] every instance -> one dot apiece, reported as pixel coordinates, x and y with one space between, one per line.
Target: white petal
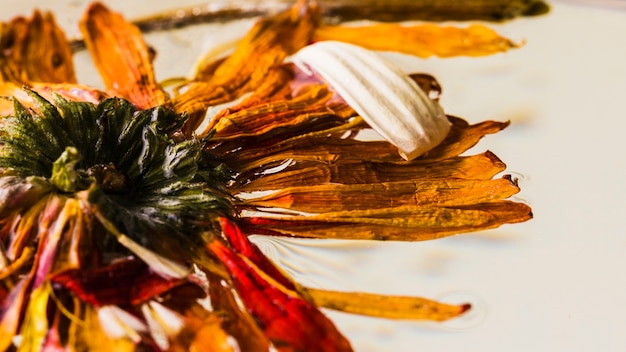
163 323
118 323
161 265
388 99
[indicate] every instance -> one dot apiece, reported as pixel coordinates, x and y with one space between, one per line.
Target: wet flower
125 213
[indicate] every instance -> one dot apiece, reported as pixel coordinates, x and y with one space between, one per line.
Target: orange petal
121 56
382 306
308 173
267 44
422 40
36 50
395 224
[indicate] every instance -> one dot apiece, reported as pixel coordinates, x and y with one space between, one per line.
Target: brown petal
308 173
338 197
36 50
397 224
462 136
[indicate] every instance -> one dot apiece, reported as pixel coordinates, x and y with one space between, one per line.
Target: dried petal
291 322
426 39
384 306
35 50
340 197
121 56
397 224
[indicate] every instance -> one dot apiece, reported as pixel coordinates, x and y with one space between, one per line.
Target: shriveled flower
125 214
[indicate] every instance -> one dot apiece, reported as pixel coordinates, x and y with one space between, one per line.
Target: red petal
126 282
291 323
240 243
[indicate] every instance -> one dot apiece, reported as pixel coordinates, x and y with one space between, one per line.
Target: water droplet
519 176
470 319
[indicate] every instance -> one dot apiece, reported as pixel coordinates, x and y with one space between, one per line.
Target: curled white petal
161 265
388 99
162 322
117 323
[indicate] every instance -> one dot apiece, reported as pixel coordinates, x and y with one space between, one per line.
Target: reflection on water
315 262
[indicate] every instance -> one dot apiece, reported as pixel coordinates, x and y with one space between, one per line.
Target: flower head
125 213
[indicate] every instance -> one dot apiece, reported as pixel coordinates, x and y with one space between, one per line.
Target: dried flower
124 226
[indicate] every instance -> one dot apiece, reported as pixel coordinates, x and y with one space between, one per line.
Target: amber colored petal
267 44
35 50
280 101
385 306
415 193
326 149
270 41
397 224
90 335
462 136
121 56
425 39
291 323
308 173
207 336
261 119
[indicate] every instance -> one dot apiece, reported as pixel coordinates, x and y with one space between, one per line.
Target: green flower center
123 157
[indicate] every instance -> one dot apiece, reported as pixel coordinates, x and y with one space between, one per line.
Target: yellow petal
422 40
384 306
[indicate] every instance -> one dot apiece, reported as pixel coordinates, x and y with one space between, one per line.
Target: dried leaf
335 11
433 10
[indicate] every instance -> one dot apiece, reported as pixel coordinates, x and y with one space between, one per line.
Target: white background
554 283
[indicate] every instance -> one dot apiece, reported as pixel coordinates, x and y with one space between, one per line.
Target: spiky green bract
133 169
